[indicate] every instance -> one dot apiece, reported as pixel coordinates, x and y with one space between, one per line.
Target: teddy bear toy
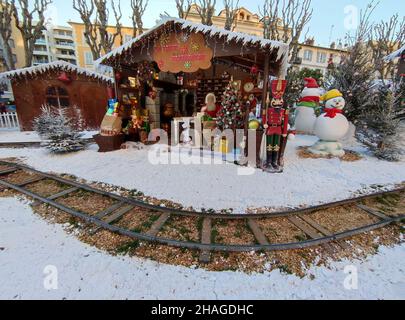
331 126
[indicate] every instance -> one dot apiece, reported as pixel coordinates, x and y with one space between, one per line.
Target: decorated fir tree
231 115
57 130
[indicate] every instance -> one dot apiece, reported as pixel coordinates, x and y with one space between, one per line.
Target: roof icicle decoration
210 31
56 65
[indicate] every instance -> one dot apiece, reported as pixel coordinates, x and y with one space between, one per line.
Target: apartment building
56 43
84 55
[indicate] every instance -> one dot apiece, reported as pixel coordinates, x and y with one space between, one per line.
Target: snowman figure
305 113
331 126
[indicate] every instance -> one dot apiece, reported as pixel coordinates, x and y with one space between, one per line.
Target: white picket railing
9 121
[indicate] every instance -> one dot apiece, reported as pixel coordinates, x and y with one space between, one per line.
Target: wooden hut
173 68
59 84
196 72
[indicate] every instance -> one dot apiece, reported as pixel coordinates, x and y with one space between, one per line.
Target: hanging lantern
254 69
64 77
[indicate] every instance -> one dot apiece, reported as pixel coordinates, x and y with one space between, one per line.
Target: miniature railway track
316 234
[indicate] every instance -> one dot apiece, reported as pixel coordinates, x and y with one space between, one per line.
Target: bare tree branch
285 20
106 39
90 29
95 16
6 17
183 8
30 31
206 10
138 10
270 12
231 13
386 37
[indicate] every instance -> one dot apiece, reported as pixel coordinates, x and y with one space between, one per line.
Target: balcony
62 36
41 42
66 46
74 62
39 62
66 56
40 53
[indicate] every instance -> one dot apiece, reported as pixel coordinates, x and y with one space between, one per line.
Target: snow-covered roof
395 54
58 65
210 31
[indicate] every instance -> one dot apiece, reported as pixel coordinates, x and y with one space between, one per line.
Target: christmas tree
231 115
56 128
379 128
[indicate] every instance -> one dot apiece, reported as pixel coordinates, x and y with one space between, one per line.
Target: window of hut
57 97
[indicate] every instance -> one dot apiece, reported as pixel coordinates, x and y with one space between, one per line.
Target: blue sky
326 14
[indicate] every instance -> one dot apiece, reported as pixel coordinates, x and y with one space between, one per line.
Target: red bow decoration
331 113
254 69
64 77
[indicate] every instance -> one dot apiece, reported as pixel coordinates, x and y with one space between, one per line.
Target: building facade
246 21
316 57
84 55
56 43
310 55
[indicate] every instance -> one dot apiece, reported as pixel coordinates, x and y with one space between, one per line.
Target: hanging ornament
254 69
64 77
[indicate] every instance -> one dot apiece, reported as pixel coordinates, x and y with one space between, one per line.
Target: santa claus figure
211 107
305 114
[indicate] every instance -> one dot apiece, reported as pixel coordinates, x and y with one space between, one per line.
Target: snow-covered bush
42 123
379 128
57 130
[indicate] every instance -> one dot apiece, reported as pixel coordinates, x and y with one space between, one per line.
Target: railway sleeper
310 232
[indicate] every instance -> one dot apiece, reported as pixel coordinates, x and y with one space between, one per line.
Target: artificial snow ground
28 245
221 186
12 136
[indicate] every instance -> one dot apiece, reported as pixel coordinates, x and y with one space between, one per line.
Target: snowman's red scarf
310 99
332 113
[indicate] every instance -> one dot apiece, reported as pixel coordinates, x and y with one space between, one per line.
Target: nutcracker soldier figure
275 123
